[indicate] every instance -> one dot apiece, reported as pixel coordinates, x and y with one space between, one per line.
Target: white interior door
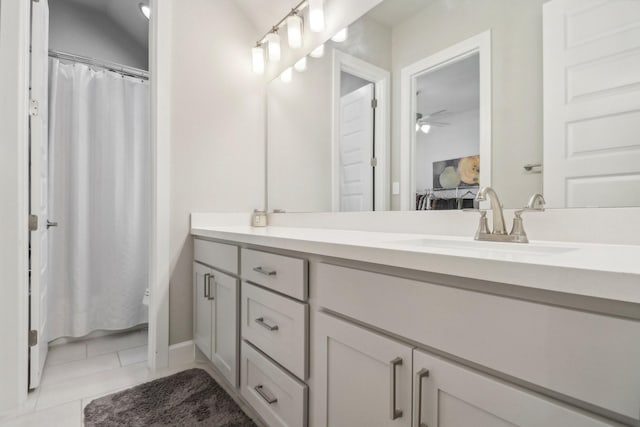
38 278
356 150
591 103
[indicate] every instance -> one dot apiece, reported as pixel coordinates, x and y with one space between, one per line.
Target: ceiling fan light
425 128
145 9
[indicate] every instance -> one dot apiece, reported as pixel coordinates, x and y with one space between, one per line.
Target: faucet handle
483 225
517 230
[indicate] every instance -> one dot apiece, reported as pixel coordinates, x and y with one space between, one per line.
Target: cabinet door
449 395
202 308
224 350
360 378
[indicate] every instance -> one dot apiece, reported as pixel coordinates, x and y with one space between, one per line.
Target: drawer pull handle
206 285
260 321
264 271
269 399
211 277
423 373
394 412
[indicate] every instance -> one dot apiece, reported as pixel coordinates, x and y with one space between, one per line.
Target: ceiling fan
425 122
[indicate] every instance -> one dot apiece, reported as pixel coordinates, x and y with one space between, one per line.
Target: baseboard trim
182 353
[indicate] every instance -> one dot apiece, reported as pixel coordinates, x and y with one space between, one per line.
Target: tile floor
76 373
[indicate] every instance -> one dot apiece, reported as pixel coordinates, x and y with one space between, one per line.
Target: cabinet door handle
269 399
260 321
423 373
206 284
211 277
394 412
265 271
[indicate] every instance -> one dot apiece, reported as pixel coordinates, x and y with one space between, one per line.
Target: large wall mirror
423 101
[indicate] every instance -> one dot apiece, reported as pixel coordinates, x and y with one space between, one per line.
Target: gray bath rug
188 398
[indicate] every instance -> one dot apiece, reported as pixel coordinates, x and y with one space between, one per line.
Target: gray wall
84 31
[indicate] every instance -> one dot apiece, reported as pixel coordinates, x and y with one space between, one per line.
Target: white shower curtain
100 196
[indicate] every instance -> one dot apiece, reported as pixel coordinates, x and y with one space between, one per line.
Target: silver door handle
260 321
51 224
423 373
260 390
264 271
211 277
206 284
394 412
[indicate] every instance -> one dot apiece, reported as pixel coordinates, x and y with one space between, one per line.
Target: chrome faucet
496 208
499 234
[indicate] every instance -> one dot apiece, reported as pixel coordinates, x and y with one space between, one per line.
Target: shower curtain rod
111 66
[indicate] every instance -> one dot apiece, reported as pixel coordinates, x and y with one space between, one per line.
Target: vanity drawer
276 325
590 357
281 273
279 398
217 255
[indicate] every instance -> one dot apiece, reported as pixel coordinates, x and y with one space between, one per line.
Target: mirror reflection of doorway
356 144
447 161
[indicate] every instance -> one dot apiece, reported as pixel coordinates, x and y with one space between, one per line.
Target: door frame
381 80
481 44
14 247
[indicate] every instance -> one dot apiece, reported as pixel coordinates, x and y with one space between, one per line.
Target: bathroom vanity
340 327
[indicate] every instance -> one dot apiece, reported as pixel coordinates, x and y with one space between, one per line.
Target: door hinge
33 338
374 162
374 103
34 107
33 222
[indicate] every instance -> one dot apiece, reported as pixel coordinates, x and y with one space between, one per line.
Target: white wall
14 49
516 27
84 31
217 132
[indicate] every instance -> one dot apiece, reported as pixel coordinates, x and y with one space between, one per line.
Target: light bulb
417 126
341 35
145 9
286 75
301 65
316 15
317 52
425 128
294 31
257 54
273 47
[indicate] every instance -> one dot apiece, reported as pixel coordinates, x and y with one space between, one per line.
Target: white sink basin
475 245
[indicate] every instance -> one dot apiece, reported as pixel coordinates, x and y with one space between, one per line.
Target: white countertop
595 270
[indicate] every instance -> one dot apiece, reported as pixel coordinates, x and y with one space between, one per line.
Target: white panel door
202 308
592 103
449 395
356 150
224 350
39 157
360 378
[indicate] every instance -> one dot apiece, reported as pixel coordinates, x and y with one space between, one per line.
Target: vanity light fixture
286 75
273 46
341 35
316 15
317 52
301 65
145 9
257 55
425 128
294 30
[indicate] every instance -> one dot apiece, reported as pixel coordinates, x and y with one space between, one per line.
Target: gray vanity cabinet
216 306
